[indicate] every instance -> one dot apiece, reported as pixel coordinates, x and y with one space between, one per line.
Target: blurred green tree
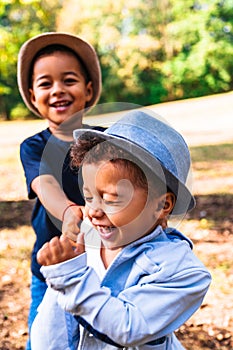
201 34
19 20
130 53
150 51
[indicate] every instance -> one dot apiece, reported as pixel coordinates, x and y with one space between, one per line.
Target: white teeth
105 229
61 104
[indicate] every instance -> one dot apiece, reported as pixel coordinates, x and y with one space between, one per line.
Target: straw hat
158 146
83 50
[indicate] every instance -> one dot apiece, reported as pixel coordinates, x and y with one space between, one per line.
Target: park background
173 57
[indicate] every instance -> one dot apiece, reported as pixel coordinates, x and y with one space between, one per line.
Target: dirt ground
209 225
210 328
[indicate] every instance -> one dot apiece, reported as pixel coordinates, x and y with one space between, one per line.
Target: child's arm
56 203
149 308
45 186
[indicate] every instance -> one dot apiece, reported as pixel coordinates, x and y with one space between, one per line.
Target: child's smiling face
59 89
119 211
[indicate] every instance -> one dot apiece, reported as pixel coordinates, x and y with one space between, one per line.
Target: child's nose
96 212
58 88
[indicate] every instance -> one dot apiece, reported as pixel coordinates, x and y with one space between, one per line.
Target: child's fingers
43 254
80 239
59 250
51 252
55 246
71 235
83 211
80 244
67 244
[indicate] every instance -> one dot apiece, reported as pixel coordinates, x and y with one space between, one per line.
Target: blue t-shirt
40 154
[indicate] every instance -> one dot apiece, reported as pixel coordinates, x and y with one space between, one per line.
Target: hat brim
184 199
83 50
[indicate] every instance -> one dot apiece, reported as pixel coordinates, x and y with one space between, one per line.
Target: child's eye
70 81
111 203
44 84
88 199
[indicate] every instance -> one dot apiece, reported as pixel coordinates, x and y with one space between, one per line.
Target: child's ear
166 204
32 97
89 91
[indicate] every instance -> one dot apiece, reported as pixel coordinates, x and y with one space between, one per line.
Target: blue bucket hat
157 145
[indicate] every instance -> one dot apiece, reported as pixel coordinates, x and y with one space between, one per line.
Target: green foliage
19 20
203 48
150 51
19 111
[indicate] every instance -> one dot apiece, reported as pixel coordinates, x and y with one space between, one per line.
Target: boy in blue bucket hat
129 283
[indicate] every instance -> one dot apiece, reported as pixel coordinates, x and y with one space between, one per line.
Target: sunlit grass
221 152
212 168
15 246
220 279
205 224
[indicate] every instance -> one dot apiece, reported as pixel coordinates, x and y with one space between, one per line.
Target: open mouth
61 104
106 231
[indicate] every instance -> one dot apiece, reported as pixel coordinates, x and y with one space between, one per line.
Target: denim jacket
151 288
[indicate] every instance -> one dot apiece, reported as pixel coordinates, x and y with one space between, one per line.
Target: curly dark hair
90 149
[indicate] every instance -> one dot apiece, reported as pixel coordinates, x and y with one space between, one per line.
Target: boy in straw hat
132 284
58 77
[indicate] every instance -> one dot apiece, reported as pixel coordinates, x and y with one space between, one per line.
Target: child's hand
60 249
72 217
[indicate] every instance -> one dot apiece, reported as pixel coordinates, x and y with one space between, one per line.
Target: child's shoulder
175 235
34 144
39 137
